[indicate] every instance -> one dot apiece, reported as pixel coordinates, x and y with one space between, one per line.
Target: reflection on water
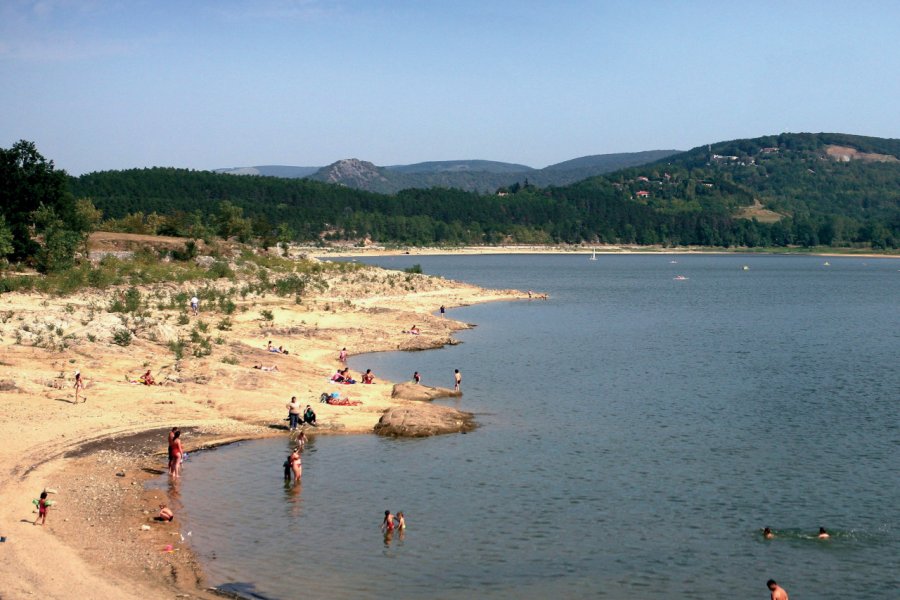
637 434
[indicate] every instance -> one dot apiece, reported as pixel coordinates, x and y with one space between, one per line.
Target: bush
183 319
224 324
220 270
416 268
177 348
266 315
122 337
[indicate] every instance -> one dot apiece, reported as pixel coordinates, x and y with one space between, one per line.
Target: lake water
637 432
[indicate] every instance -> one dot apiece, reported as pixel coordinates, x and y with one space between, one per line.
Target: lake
636 434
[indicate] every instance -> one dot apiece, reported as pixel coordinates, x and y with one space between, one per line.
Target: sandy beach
97 455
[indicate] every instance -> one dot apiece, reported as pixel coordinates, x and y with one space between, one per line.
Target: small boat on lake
594 255
680 278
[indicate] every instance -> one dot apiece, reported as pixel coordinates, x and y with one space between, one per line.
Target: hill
470 175
790 189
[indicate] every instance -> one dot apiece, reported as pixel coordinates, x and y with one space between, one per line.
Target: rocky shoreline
100 455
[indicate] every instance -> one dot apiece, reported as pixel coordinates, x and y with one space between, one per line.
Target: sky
199 84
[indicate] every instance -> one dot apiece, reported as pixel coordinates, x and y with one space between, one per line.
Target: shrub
266 315
122 337
230 360
177 348
416 268
183 319
220 270
224 324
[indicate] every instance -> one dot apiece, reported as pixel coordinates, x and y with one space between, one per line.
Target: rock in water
423 420
413 391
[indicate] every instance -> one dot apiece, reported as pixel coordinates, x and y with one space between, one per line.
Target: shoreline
93 536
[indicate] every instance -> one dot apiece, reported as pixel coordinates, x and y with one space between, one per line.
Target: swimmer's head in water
822 530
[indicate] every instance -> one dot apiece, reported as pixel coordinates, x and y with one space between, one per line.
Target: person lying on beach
266 369
369 377
165 514
414 330
147 378
282 350
823 535
309 416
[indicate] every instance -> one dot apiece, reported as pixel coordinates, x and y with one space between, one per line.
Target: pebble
145 528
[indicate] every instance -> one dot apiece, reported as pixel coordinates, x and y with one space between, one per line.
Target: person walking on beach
443 310
343 356
458 379
195 305
778 592
43 506
79 386
294 412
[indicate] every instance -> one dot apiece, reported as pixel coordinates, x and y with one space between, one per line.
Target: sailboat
594 254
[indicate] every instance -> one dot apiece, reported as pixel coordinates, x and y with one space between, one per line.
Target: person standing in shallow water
777 592
417 378
443 310
458 379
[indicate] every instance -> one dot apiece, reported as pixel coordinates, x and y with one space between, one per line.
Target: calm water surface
637 433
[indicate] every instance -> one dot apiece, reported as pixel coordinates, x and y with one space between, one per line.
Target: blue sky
204 84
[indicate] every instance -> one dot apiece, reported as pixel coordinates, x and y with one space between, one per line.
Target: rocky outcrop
422 393
423 420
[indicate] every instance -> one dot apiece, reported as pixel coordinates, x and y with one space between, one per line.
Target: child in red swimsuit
43 507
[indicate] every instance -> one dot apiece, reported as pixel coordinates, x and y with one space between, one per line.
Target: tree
36 205
6 241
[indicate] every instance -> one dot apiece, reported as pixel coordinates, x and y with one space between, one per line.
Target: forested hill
792 189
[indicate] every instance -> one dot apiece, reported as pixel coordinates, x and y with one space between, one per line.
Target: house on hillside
642 194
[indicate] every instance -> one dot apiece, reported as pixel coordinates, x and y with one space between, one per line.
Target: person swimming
767 534
823 535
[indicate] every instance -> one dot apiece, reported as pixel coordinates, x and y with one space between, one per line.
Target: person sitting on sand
165 514
338 376
266 369
282 350
369 377
147 378
348 379
823 535
309 416
767 534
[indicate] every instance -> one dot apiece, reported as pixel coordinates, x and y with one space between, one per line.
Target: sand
98 455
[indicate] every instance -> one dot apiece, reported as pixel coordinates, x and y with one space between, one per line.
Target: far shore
584 249
98 455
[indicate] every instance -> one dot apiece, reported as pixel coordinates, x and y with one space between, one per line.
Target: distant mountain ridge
469 175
